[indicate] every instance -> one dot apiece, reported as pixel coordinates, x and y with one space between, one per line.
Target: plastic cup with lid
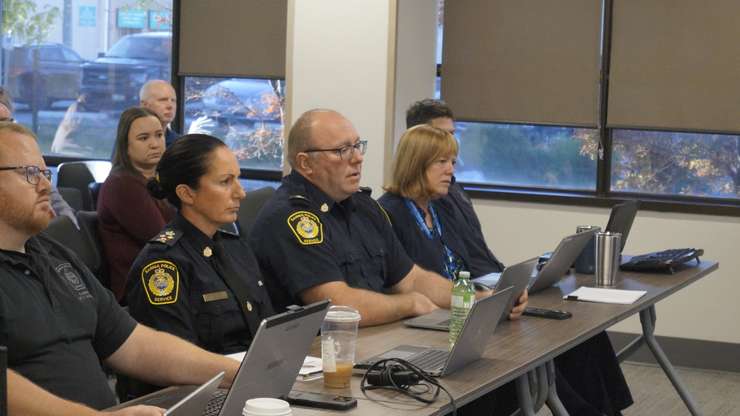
338 339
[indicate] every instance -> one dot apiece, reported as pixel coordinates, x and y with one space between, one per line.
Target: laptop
476 331
516 276
560 261
272 362
195 402
621 218
269 367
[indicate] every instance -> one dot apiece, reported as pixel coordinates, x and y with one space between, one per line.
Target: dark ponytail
184 162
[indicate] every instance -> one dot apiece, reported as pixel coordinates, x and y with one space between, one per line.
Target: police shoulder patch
161 281
306 227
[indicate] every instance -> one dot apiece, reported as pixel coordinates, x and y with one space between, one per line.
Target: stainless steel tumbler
607 258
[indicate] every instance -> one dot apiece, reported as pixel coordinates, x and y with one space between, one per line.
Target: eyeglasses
33 173
345 152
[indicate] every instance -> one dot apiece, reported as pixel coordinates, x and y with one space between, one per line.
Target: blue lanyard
450 260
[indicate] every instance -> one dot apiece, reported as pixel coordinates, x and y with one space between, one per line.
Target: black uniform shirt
302 238
458 234
176 285
481 257
58 322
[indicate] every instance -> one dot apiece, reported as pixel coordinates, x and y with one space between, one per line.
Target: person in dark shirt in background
159 97
127 215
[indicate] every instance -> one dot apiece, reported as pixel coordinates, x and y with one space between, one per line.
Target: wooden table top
516 346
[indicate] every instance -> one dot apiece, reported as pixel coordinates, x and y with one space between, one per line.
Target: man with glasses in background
321 236
58 321
58 205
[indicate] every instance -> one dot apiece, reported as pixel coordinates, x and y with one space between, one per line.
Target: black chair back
83 242
88 221
79 175
251 205
71 196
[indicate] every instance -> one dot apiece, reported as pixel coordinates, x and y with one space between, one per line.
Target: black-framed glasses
345 152
33 173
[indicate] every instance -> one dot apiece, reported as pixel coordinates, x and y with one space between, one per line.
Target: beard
28 221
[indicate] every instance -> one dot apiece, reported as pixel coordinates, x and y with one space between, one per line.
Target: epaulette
385 213
366 190
299 200
168 236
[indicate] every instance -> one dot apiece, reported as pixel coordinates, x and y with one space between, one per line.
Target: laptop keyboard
214 405
430 360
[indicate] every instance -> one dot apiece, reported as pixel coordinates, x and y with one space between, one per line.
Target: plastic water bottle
463 297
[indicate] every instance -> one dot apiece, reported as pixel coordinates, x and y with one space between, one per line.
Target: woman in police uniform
433 230
194 279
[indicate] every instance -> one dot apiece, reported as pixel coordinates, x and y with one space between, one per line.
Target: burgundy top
128 217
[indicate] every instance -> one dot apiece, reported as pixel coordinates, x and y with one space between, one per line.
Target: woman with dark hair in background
127 215
432 229
193 279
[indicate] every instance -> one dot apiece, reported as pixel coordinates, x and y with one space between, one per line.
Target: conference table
525 346
522 350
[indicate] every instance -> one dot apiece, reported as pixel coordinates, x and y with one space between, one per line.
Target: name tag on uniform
214 296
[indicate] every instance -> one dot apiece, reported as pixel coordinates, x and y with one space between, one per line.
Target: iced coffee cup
338 338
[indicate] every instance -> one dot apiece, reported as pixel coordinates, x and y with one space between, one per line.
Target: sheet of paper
489 279
605 295
311 364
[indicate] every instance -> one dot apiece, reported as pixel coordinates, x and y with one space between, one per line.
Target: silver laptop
471 342
195 402
560 261
276 354
516 276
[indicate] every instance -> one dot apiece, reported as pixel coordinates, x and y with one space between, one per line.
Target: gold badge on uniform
161 281
207 252
306 227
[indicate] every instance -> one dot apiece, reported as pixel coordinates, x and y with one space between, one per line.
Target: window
653 145
246 113
71 71
668 163
527 156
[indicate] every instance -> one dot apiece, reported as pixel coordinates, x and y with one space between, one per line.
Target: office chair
71 196
88 221
80 175
251 205
79 241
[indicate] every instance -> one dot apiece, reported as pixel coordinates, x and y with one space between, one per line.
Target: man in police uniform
322 237
58 321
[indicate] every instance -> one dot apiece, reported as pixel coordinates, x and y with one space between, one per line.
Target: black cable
402 376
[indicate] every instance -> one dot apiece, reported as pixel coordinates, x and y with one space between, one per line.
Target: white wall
707 309
340 54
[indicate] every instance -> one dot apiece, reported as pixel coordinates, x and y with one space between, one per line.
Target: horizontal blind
675 65
522 61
